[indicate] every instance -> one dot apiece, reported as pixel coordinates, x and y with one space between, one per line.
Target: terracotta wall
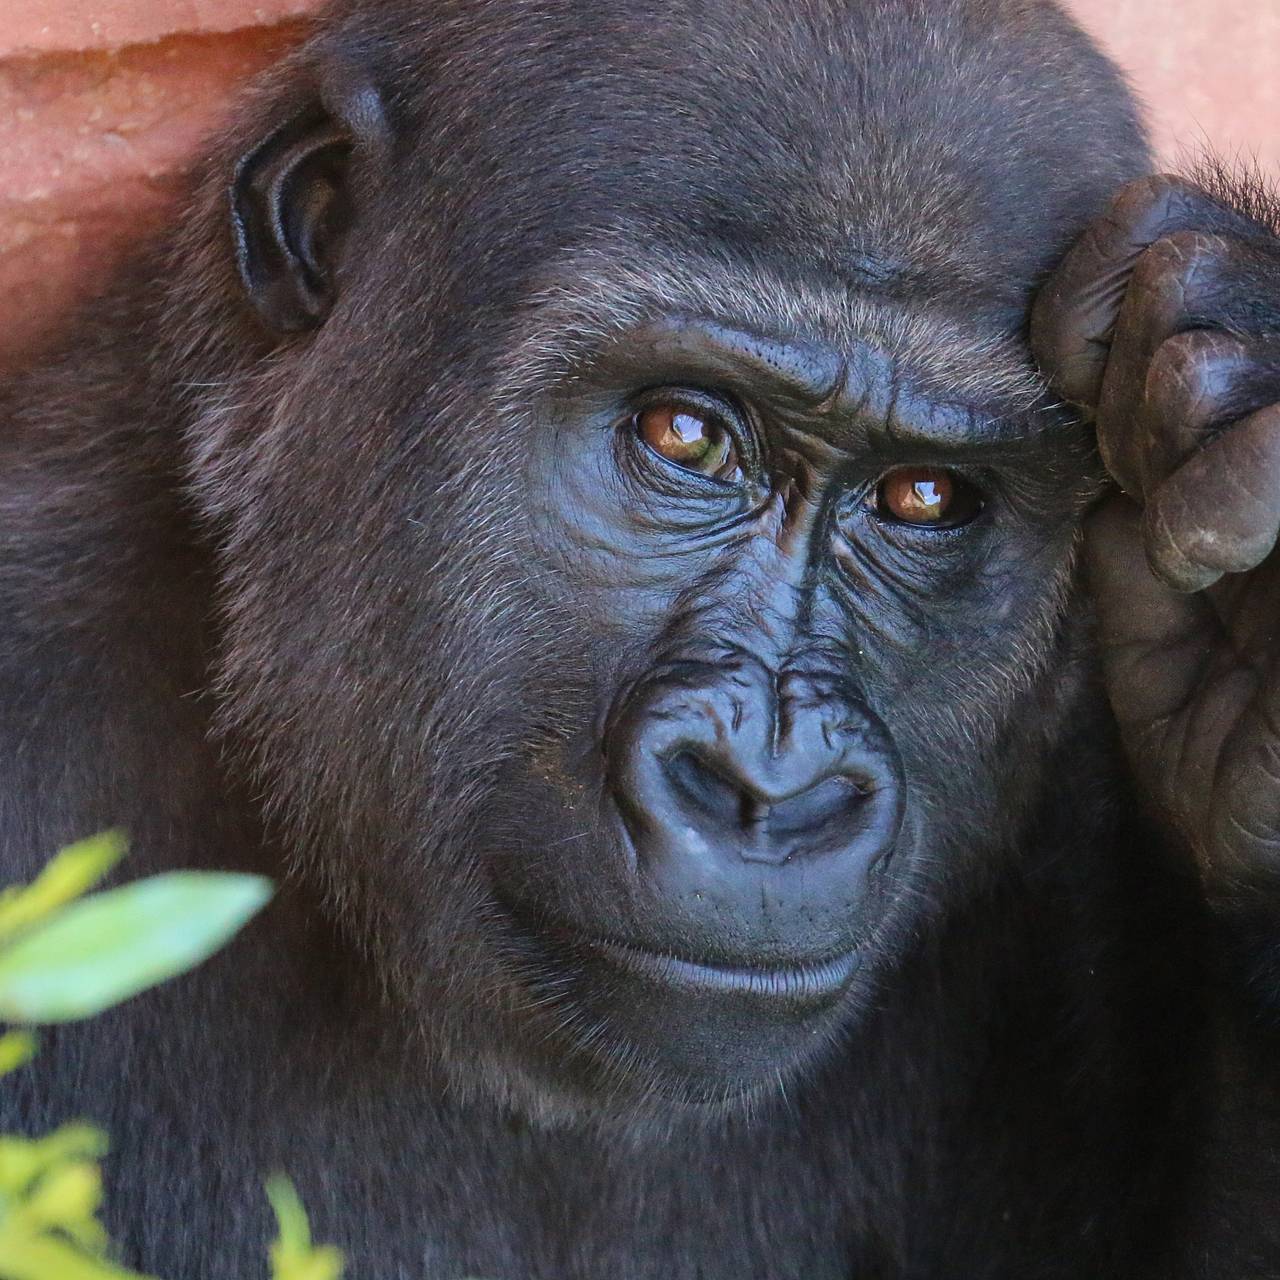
1208 70
102 100
101 103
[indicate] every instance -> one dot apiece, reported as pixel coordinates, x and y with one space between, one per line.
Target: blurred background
102 102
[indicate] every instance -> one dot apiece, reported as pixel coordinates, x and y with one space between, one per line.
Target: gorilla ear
290 209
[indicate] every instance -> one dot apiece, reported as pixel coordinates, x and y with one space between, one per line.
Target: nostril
738 802
709 791
826 803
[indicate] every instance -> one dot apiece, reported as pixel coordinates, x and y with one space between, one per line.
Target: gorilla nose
768 808
717 766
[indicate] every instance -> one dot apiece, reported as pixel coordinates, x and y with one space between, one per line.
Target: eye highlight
928 497
690 438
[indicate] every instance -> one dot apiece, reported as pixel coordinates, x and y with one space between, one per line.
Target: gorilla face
807 596
646 583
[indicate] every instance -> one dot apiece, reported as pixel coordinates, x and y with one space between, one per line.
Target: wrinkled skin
752 659
573 499
1163 326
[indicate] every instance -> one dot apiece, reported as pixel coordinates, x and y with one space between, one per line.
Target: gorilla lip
815 983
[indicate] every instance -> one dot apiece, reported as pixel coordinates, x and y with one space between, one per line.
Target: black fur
297 574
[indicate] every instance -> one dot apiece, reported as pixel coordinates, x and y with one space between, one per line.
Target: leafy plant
65 956
293 1256
62 960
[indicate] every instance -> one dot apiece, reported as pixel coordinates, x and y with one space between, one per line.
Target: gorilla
720 553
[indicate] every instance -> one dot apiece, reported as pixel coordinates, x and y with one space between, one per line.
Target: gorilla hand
1163 324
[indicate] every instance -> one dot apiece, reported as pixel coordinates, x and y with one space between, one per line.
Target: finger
1154 642
1220 511
1198 383
1245 831
1167 287
1074 316
1187 283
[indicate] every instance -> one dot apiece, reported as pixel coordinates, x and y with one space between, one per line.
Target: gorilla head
645 544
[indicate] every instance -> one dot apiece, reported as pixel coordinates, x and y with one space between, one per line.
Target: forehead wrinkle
590 298
812 374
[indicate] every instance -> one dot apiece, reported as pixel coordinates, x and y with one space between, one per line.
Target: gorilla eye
926 496
690 438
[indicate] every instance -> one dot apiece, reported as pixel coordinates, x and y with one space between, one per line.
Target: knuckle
1173 377
1166 197
1174 276
1207 379
1177 358
1143 195
1177 259
1154 269
1189 247
1194 362
1145 205
1177 542
1188 393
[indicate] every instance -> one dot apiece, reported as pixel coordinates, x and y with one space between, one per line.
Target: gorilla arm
1163 325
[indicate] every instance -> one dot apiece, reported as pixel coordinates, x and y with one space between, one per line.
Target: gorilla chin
645 1024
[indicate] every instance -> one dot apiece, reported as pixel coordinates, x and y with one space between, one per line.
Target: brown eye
690 439
927 496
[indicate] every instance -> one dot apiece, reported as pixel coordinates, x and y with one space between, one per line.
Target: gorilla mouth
805 985
817 983
642 1021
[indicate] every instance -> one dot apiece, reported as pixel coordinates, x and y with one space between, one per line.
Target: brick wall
101 101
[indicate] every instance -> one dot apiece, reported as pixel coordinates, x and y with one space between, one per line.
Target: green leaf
23 1160
43 1257
66 1198
321 1263
108 947
69 874
295 1230
17 1048
293 1257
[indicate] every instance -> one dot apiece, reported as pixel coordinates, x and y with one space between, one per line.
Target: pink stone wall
1208 70
102 102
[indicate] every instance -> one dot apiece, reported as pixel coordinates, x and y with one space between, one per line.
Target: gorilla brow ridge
593 296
